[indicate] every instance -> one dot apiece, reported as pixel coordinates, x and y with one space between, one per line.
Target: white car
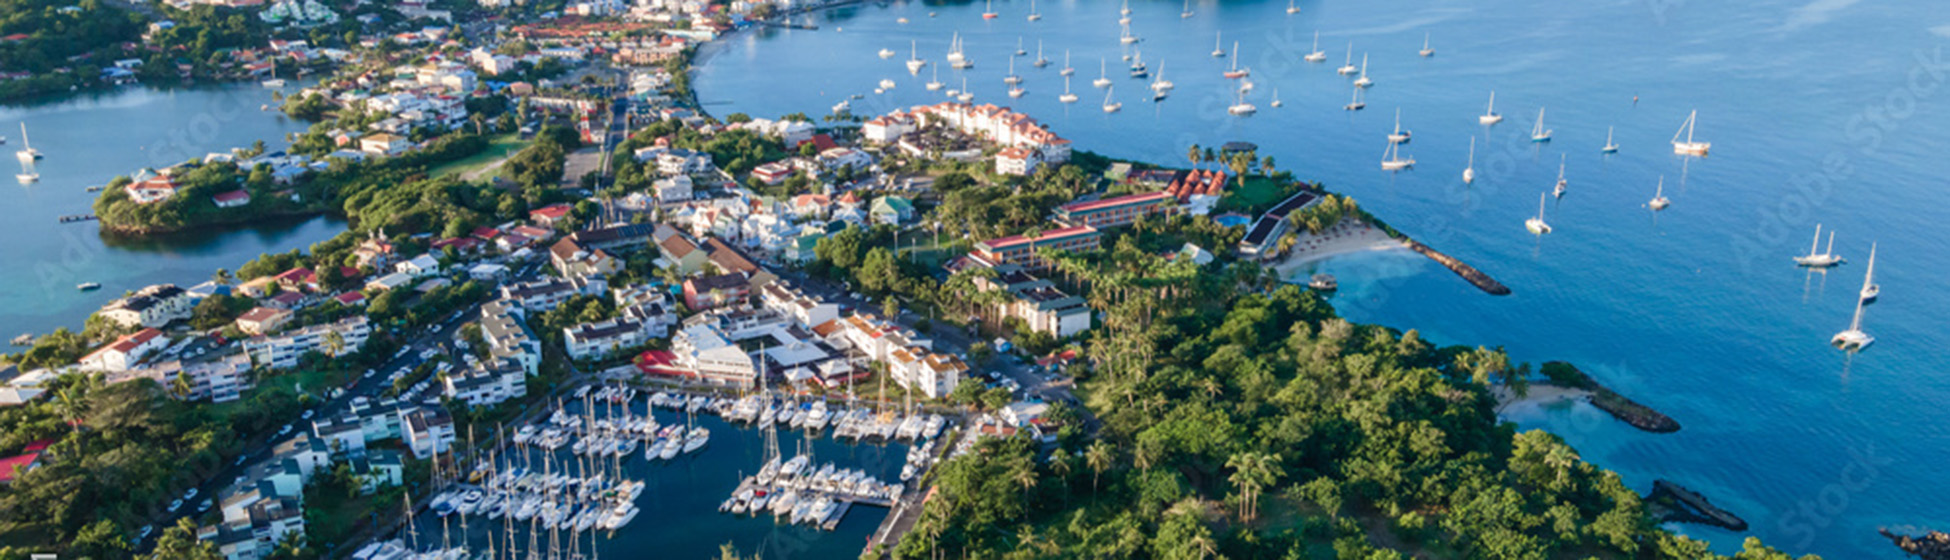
306 415
176 505
144 533
189 495
286 430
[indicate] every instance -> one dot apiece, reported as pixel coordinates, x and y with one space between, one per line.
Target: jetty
1672 502
1618 406
71 218
1475 277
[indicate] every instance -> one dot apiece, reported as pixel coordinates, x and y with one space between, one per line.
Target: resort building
1021 250
1264 237
1036 302
1118 211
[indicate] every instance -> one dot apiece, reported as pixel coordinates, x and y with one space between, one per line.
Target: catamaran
1489 115
1399 136
1236 72
1315 54
1391 159
1109 105
1561 183
1854 338
27 151
914 60
1823 259
1469 169
1538 133
1659 200
1426 50
1870 290
1536 225
1348 69
1103 74
1689 147
1610 147
1364 80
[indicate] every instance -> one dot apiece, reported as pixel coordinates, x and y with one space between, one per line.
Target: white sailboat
1538 133
1033 14
1218 45
1290 8
1067 97
1357 104
1364 80
1040 61
1067 69
1399 136
1348 68
1536 225
1126 10
1125 36
1012 78
1823 259
914 60
1489 115
27 151
1870 290
958 59
1689 147
1561 183
966 95
1103 74
1610 147
1187 13
27 175
1315 54
935 84
1017 92
1854 338
1110 106
1242 108
1391 159
1159 83
1469 169
1236 72
1426 50
1659 200
886 53
1019 50
1275 103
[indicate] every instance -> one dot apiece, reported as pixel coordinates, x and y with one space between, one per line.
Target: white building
712 356
126 351
601 338
487 385
803 309
673 189
283 351
153 306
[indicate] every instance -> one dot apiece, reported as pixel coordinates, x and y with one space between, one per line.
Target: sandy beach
1348 236
1538 395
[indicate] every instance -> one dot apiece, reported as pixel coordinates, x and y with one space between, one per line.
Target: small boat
842 106
1019 50
1684 148
886 53
1469 169
1399 136
1126 10
1854 338
27 177
1235 72
1391 159
1103 74
1109 105
1242 108
886 84
1016 92
1323 282
27 151
1040 61
1426 50
902 21
1537 132
1348 69
1187 13
989 11
88 286
1067 97
1160 84
1823 259
1033 14
1138 69
935 84
965 96
1315 54
1489 115
1660 202
1610 148
1276 99
1536 225
1126 37
1219 46
1067 69
1871 290
1561 183
696 439
1012 78
1364 80
914 60
1357 104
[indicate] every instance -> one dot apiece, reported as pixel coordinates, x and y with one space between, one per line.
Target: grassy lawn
1259 194
499 148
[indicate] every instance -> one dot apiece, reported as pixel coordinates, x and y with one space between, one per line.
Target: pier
71 218
1475 277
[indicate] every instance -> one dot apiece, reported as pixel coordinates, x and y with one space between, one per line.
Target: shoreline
1342 239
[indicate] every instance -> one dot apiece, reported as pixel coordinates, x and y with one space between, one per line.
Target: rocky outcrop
1672 502
1626 410
1934 545
1475 277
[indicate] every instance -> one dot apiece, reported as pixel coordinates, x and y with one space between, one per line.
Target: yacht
1218 46
1426 50
619 517
1391 159
1067 97
1067 69
914 60
27 151
1399 136
27 177
1110 106
1347 68
1126 37
1871 290
965 96
1275 103
1236 72
1536 225
1138 69
1561 183
935 84
1103 74
1242 108
1854 338
1014 93
886 84
1187 13
1012 78
842 106
1159 83
1357 104
1537 132
1469 169
1033 14
1019 50
1040 61
1610 147
1489 115
87 286
1688 147
1660 202
696 439
1364 80
988 12
1823 259
1290 8
886 53
1315 54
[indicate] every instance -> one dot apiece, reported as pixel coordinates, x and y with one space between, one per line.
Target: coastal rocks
1934 545
1475 277
1672 502
1626 410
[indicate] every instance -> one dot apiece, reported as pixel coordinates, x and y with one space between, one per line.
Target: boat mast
1816 244
1869 278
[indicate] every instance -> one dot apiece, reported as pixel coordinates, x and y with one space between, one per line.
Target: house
549 216
546 293
573 260
678 161
682 253
428 432
886 129
374 251
261 320
126 351
772 173
419 267
1016 161
350 299
333 339
934 375
389 282
486 385
1021 250
891 210
673 189
837 158
1116 211
153 306
385 144
601 338
27 460
711 357
1036 302
804 309
297 279
153 189
232 199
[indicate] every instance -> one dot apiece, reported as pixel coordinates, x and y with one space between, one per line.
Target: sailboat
1276 99
1363 81
1159 83
1538 133
1689 147
1103 74
1610 147
1067 69
1561 183
1126 10
1040 61
1067 97
1399 136
1426 50
988 12
1348 68
1391 159
1489 115
1236 72
1290 8
1242 108
1125 36
27 175
1016 92
935 84
1823 259
1019 50
1033 14
914 60
886 53
1218 45
1854 338
1110 106
1469 169
27 151
1870 290
956 58
1012 78
1659 200
1187 13
1357 104
1536 225
1315 54
1138 68
966 95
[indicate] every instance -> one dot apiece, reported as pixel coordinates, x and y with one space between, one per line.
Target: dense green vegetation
63 48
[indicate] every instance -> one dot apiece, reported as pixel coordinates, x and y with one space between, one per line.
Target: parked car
286 430
240 460
190 494
306 415
144 533
176 505
205 505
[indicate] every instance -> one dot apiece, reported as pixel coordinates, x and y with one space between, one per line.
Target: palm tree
1210 155
1025 475
1098 458
1194 155
334 343
223 277
72 403
1266 166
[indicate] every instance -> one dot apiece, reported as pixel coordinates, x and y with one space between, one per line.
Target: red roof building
549 215
30 457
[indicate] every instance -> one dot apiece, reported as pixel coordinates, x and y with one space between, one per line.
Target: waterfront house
601 338
705 292
1263 238
428 432
125 351
231 199
507 336
486 385
549 216
152 306
1016 161
153 189
419 267
710 356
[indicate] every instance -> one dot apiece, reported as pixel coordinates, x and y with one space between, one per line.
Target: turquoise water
92 139
678 510
1826 112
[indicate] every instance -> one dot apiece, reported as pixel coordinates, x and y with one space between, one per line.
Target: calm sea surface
1825 112
91 139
